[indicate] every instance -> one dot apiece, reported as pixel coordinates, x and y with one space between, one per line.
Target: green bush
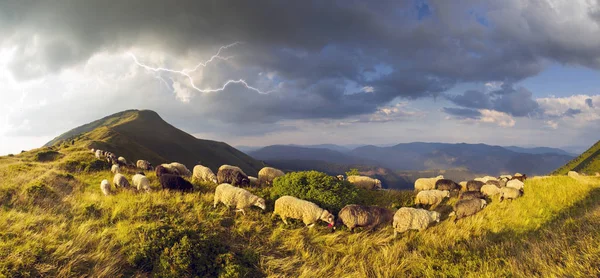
326 191
353 172
45 156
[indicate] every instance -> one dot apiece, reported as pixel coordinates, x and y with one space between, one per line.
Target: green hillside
143 134
588 162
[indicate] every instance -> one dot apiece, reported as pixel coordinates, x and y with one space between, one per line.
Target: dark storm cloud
463 113
517 102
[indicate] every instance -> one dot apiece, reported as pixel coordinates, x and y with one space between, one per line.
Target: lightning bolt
186 72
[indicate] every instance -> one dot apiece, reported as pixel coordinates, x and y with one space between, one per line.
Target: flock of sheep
431 192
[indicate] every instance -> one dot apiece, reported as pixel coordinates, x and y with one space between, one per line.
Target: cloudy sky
510 72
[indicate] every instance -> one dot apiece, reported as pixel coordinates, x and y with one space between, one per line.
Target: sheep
340 177
573 174
471 195
364 216
490 189
519 176
205 174
237 197
253 181
160 170
446 184
474 185
495 183
120 181
463 185
516 184
426 183
507 177
141 182
266 175
510 193
232 175
175 182
121 160
115 169
144 165
105 187
413 219
431 197
597 174
464 208
308 212
99 154
92 150
183 171
365 182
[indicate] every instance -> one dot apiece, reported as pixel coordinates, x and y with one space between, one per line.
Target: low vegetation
586 163
54 221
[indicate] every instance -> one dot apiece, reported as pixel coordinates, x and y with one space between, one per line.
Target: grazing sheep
519 176
99 154
474 185
463 185
237 197
144 165
105 187
446 184
426 183
120 181
183 171
573 174
141 182
122 161
510 193
471 195
205 174
413 219
365 182
464 208
364 216
431 197
175 182
232 175
308 212
160 170
490 189
516 184
340 177
495 183
266 175
253 181
506 177
115 169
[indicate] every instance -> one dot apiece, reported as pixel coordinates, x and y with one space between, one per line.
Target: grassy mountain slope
145 135
54 221
588 162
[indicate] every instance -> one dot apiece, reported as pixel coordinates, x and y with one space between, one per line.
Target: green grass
54 221
587 163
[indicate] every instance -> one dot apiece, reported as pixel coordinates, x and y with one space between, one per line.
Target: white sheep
176 167
237 197
122 160
105 187
431 197
516 184
120 181
427 183
365 182
308 212
266 175
253 181
413 219
509 193
517 175
115 169
204 174
490 190
573 174
99 154
141 182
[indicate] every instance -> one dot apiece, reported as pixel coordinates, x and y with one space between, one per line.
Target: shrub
353 172
45 156
326 191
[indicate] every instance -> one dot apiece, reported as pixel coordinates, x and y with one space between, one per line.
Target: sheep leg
242 210
284 221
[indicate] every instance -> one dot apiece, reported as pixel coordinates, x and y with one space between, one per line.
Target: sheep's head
440 177
446 193
260 202
214 180
483 203
435 216
378 184
327 217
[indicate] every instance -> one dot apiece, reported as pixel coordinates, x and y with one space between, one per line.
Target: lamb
364 216
474 185
205 174
431 197
510 193
237 197
464 208
120 181
446 184
365 182
426 183
232 175
253 181
308 212
340 177
144 165
105 187
114 169
471 195
516 184
175 182
141 182
266 175
490 189
413 219
121 160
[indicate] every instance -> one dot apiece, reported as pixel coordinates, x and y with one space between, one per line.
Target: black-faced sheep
308 212
266 175
474 185
413 219
365 182
237 197
364 216
232 175
464 208
175 182
446 184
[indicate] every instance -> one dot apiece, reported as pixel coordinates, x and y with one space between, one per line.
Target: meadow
54 221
